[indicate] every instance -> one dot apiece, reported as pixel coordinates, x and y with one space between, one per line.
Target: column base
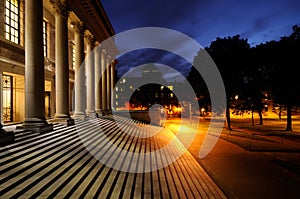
91 114
66 121
37 128
109 111
98 113
104 112
6 137
79 115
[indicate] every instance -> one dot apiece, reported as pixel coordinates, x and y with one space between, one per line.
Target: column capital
97 43
98 48
103 51
109 60
78 27
90 39
115 62
60 8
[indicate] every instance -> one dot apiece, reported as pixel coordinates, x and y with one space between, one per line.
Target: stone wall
142 116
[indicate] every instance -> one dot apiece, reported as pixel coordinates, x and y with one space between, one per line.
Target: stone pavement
283 145
249 164
57 164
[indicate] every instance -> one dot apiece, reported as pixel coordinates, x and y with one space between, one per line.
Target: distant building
130 97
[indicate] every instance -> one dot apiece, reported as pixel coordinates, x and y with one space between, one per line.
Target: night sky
205 20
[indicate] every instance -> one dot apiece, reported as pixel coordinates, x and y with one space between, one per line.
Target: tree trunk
289 118
280 109
260 117
252 118
228 118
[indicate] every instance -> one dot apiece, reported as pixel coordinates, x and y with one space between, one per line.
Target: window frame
45 37
12 21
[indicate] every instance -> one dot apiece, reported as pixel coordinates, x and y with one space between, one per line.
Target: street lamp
236 97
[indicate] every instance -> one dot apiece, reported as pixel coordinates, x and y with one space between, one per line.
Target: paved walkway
58 165
247 166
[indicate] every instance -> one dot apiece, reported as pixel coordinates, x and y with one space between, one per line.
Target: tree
200 88
231 55
256 78
285 88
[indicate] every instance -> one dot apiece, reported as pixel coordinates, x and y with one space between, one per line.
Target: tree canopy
248 72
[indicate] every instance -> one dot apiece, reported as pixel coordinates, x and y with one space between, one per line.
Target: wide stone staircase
71 162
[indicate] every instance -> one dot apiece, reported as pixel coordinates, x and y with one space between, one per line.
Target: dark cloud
139 57
258 25
136 13
261 23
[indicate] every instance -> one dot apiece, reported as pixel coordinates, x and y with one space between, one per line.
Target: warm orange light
178 109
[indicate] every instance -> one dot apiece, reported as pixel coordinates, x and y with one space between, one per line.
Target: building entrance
7 94
47 104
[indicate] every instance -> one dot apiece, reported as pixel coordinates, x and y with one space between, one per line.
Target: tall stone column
62 63
5 137
34 69
90 75
112 80
108 71
80 94
104 85
98 83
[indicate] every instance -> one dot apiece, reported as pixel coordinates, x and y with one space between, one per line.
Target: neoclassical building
43 44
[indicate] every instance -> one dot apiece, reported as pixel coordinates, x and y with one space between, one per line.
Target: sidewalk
269 137
250 164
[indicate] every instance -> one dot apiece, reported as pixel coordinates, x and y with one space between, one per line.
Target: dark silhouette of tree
285 87
231 55
256 76
200 88
248 72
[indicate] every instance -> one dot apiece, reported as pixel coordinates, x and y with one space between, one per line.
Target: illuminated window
12 18
73 56
170 87
45 40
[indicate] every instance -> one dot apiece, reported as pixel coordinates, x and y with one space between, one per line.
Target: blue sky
205 20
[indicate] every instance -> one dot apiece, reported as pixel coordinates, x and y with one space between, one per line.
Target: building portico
62 72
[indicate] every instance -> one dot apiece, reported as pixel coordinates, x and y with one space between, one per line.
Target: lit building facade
127 96
42 47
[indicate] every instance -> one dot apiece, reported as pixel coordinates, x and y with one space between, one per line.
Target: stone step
58 164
